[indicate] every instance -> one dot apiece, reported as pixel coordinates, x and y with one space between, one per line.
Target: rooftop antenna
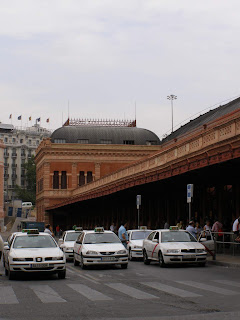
136 113
68 109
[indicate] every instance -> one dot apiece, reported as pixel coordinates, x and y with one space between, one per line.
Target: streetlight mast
172 97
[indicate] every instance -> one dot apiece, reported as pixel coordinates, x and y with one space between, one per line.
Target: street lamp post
172 97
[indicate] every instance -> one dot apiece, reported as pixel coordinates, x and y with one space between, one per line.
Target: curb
224 264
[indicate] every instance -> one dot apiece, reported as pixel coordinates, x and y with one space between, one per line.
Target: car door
207 240
78 246
147 243
155 245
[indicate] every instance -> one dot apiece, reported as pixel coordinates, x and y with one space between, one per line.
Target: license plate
108 259
189 256
40 265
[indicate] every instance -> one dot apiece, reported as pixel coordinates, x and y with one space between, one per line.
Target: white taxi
169 246
66 243
31 251
135 242
99 247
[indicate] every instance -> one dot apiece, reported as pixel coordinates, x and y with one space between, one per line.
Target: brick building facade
75 156
1 184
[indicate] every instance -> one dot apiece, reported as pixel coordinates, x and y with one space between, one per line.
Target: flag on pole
10 117
47 120
20 118
30 118
38 119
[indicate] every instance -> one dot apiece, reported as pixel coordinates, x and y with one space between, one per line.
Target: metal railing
225 243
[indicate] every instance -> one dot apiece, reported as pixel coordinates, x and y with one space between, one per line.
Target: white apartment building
20 145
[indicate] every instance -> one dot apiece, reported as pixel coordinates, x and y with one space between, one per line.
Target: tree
28 193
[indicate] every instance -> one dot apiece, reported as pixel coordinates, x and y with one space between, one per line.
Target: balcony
14 155
6 176
29 155
14 176
6 165
6 155
23 155
14 165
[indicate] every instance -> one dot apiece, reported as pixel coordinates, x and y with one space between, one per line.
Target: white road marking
230 283
7 296
171 290
132 292
78 273
207 287
89 293
46 294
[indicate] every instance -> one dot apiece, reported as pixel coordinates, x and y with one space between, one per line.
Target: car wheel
82 265
75 262
130 257
62 274
161 260
145 257
11 275
124 266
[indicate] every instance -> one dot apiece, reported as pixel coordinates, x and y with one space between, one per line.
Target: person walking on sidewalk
122 234
236 229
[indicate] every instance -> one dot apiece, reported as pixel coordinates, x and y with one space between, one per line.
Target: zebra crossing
137 290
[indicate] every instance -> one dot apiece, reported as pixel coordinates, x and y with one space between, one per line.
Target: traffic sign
189 193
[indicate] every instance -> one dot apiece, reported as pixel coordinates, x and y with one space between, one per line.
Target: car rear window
140 235
72 236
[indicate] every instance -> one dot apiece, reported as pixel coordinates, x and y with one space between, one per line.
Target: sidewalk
225 261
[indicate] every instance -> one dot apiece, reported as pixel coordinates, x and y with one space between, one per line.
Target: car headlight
57 258
173 251
137 247
91 252
18 259
122 252
200 251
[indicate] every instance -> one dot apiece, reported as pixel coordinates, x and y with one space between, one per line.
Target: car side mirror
5 244
60 241
6 247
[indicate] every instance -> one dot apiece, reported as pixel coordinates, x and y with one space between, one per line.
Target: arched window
64 180
56 180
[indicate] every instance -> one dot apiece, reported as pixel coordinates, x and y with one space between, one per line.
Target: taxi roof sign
99 229
143 228
78 229
30 231
174 228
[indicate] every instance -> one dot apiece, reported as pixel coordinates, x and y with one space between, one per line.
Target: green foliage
28 193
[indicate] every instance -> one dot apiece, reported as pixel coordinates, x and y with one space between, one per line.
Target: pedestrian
180 224
48 230
207 226
190 228
166 225
198 229
236 229
122 234
57 231
217 227
113 227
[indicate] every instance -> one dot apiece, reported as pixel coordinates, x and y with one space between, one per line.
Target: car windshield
91 238
140 235
32 241
71 236
177 236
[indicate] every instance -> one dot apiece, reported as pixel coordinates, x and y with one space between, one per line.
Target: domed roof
104 135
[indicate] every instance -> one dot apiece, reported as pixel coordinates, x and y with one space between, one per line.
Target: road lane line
89 293
46 294
7 296
171 290
207 287
230 283
78 273
130 291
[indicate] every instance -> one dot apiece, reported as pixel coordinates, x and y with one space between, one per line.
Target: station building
80 153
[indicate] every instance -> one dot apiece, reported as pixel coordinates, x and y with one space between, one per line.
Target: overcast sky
103 55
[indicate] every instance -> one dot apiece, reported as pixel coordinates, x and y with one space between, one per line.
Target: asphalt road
140 292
